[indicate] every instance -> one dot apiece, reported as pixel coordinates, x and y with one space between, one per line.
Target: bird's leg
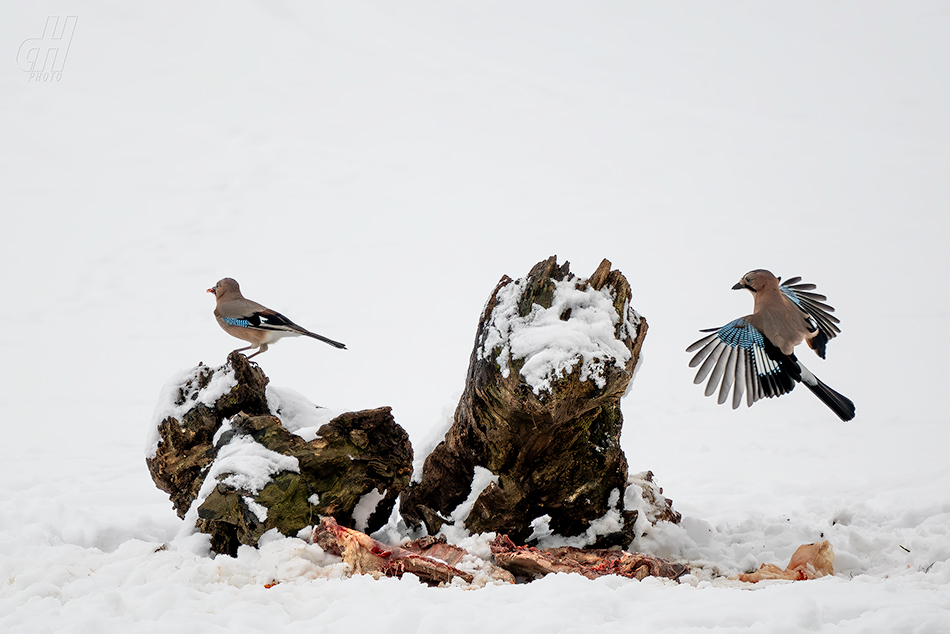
243 349
263 349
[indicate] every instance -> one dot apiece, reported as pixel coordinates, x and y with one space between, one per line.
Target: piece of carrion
591 563
430 559
365 555
810 561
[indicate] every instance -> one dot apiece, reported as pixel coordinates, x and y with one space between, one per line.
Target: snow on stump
534 447
232 467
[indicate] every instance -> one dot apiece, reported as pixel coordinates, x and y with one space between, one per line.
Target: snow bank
288 585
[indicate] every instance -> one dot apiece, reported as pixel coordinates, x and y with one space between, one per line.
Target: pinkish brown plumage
252 322
755 354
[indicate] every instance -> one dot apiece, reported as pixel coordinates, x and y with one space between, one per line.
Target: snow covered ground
371 169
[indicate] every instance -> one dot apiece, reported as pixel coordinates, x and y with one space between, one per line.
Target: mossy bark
355 454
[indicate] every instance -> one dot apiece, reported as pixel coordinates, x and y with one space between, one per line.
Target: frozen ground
371 170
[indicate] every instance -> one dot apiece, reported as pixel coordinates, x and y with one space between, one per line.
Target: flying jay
256 324
755 354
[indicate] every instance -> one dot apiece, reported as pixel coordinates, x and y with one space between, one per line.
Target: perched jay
755 354
247 320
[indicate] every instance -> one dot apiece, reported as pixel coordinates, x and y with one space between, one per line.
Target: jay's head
224 287
756 280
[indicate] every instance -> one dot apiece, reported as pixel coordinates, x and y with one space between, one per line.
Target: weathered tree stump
553 356
221 453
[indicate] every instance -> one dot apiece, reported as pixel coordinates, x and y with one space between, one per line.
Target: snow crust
552 346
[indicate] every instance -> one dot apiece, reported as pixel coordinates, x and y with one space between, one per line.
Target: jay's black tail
839 403
335 344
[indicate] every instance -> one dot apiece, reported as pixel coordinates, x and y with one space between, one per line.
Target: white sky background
372 169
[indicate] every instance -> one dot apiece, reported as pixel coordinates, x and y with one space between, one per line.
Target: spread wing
813 304
739 357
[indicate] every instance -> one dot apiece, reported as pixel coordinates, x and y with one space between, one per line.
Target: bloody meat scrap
810 561
592 563
368 556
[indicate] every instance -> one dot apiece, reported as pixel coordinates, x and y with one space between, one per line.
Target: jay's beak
211 290
738 286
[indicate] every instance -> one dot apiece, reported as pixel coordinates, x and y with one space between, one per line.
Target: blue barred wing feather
739 358
263 320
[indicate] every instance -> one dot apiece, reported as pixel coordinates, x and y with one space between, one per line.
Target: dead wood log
218 421
541 412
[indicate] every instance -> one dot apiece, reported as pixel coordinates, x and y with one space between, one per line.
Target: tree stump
553 356
221 453
191 410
